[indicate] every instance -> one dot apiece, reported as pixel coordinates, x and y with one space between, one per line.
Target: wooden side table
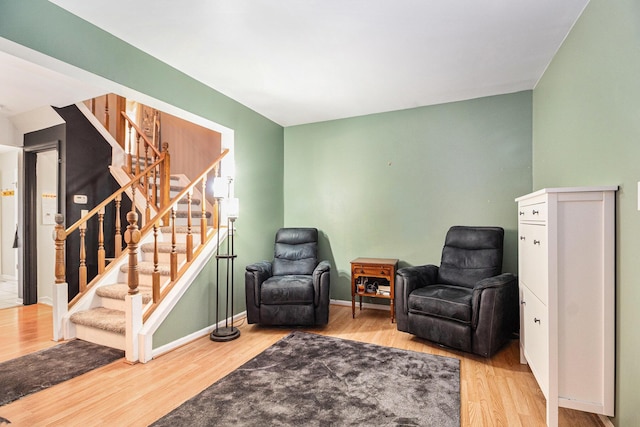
383 268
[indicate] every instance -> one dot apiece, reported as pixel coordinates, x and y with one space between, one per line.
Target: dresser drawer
372 270
532 212
536 332
533 258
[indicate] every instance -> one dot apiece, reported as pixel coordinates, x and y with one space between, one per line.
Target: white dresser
566 269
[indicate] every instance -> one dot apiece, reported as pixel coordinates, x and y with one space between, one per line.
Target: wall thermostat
80 199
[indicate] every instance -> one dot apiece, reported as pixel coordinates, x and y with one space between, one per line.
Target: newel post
132 238
60 287
60 238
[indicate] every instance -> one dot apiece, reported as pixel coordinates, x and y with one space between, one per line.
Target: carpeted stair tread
120 290
194 214
180 229
147 267
185 201
101 318
165 247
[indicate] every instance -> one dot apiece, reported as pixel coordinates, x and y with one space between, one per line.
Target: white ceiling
302 61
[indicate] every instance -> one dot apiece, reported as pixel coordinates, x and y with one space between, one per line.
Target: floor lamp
228 332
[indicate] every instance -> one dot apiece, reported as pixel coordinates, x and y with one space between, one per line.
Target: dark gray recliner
466 303
293 289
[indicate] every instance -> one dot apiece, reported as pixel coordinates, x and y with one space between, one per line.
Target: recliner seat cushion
287 290
445 301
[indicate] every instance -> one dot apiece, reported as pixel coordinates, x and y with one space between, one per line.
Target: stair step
101 318
146 267
119 291
194 214
180 229
164 247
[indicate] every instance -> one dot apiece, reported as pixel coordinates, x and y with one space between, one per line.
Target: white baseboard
193 336
606 421
45 300
364 304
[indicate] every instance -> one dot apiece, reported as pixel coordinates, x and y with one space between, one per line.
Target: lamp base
225 334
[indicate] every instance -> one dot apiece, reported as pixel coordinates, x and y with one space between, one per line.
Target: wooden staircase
105 322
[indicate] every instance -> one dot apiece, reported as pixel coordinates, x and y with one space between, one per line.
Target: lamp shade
233 208
219 187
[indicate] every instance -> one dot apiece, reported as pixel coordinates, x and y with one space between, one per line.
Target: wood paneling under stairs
494 392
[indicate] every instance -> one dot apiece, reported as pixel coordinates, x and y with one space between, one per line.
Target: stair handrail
159 294
150 194
105 202
141 133
187 189
61 234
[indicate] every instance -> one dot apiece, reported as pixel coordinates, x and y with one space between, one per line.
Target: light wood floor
495 392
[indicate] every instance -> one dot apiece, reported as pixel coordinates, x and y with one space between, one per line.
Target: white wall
8 213
46 181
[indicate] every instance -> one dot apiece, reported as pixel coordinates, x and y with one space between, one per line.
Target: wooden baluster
121 106
189 234
154 186
156 272
93 106
101 253
165 180
60 238
129 150
147 210
174 253
139 141
82 270
106 113
146 164
154 178
118 237
132 237
203 218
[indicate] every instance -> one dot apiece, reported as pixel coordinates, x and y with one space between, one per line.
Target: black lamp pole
228 332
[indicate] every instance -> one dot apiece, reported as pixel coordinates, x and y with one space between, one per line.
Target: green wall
42 26
390 185
586 129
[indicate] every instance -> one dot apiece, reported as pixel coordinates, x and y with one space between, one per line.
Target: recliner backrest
471 254
296 251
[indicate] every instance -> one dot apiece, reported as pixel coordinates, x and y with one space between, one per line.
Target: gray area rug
45 368
313 380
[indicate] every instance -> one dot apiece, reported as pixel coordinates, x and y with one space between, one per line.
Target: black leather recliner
466 303
293 289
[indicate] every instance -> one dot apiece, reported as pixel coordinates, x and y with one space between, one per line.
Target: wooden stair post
132 238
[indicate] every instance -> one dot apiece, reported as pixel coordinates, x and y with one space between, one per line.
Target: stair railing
199 183
61 234
140 154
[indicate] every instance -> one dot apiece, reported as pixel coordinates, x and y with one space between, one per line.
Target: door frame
30 216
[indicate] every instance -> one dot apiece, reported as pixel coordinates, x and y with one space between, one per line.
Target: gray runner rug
314 380
45 368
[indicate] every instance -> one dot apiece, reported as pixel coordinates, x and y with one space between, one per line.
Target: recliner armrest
503 279
254 275
261 267
407 280
321 277
503 286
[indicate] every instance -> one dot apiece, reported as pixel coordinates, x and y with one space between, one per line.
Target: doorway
42 184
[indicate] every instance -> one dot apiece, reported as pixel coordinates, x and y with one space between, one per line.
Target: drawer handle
536 242
522 238
523 302
536 320
535 212
520 213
